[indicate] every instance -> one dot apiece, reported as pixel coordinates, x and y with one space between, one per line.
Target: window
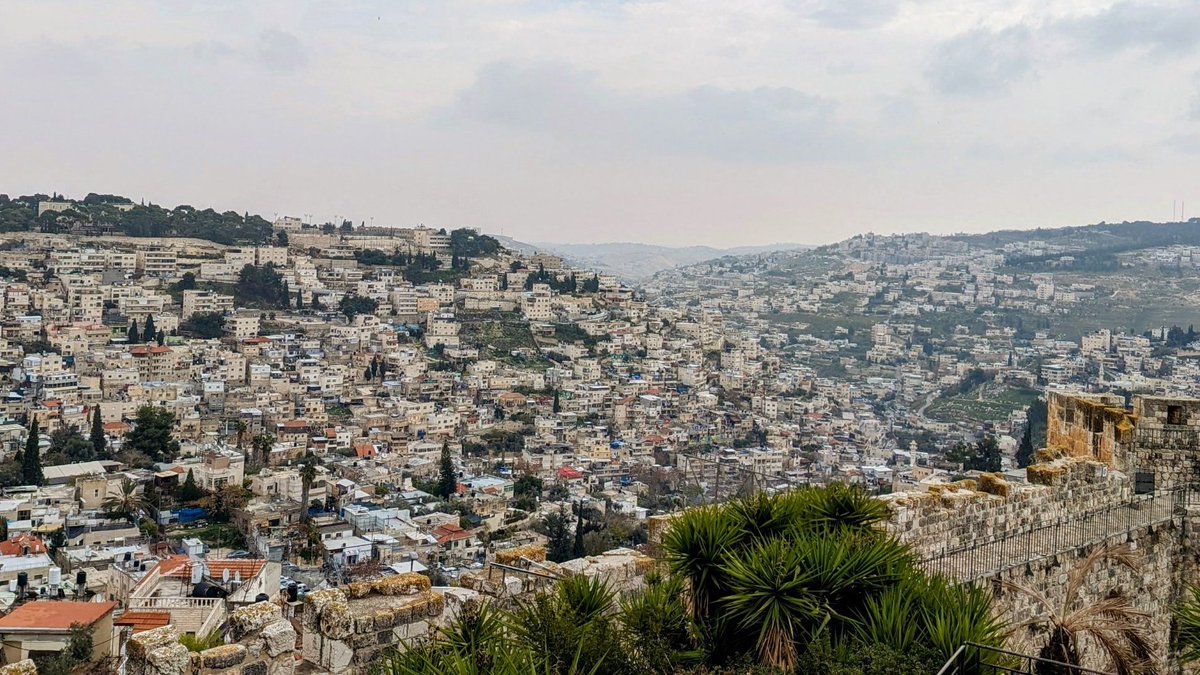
1175 415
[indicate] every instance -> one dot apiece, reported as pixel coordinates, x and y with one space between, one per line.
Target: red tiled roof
55 615
364 450
113 427
450 532
16 545
143 621
569 473
181 567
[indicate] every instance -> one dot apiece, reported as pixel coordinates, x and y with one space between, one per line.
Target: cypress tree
189 491
161 337
31 462
447 484
99 442
150 332
134 334
578 549
1025 449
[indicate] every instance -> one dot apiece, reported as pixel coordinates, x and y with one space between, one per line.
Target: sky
673 122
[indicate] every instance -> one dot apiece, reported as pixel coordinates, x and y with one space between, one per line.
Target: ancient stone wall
1094 426
260 642
1159 436
1167 566
346 630
523 570
1003 535
1166 441
968 513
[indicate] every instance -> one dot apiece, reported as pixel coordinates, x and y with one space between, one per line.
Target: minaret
912 454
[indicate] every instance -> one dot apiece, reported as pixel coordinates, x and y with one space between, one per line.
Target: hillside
636 262
113 214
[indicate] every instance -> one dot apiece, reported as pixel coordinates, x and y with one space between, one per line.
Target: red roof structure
143 621
54 615
22 544
567 473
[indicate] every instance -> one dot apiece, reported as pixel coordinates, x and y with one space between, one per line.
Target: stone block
258 668
251 618
172 659
403 584
24 667
279 638
336 621
225 656
284 665
364 623
384 618
143 643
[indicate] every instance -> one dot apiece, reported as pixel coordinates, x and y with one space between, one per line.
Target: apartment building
157 263
201 301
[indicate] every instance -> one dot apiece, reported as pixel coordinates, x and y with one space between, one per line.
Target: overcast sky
720 122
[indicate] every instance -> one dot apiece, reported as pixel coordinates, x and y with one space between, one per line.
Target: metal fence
1068 532
973 659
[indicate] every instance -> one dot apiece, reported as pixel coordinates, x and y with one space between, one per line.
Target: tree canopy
113 213
203 325
260 286
151 435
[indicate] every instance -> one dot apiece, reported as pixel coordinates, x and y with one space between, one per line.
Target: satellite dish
225 575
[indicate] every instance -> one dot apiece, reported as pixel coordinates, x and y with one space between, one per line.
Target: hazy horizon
652 121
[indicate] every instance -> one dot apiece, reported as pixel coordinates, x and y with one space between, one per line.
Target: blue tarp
191 515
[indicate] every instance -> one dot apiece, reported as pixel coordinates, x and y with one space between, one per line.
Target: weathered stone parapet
262 643
158 652
623 569
24 667
958 515
513 556
345 630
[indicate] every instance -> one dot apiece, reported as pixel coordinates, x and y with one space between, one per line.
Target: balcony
199 616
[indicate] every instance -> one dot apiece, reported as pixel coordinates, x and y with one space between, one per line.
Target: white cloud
704 121
981 61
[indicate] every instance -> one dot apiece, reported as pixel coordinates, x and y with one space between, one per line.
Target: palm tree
128 503
1187 626
771 576
241 428
308 473
262 445
1112 624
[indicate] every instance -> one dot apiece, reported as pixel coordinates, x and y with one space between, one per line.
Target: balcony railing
190 615
973 659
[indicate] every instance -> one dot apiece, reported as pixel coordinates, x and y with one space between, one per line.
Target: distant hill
113 214
635 262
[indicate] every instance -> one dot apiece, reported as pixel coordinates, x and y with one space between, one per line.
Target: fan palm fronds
1113 624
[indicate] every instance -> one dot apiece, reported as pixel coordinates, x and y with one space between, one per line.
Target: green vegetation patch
981 404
